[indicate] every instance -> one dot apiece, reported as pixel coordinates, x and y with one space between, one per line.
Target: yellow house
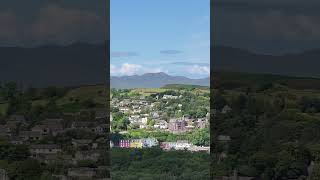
136 143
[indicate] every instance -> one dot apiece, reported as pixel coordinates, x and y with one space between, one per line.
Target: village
150 114
76 140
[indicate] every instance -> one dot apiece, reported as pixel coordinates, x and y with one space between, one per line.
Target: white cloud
196 69
113 69
128 69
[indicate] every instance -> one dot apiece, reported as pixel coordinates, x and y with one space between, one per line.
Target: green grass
84 93
184 86
3 108
239 79
148 91
41 102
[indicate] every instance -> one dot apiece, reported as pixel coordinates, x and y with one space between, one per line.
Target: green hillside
237 79
184 86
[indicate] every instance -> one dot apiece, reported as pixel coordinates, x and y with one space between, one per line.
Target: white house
144 120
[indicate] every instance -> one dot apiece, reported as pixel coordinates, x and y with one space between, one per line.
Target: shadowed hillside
239 60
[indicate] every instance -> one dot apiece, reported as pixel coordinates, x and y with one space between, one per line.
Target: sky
267 26
61 22
171 36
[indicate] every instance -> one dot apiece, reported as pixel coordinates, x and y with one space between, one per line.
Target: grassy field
148 91
3 108
96 93
183 86
238 79
71 102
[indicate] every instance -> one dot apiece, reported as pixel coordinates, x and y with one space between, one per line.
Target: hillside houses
48 129
158 113
30 135
90 126
153 142
17 119
5 131
44 149
183 145
66 139
179 145
3 175
92 155
201 123
162 124
135 110
169 97
177 125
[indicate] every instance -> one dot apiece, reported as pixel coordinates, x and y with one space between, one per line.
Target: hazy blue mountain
154 80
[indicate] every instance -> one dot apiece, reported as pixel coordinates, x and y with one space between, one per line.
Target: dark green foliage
274 128
28 169
154 163
13 152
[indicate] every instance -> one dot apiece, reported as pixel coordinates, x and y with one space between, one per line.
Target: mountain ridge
154 80
232 59
81 63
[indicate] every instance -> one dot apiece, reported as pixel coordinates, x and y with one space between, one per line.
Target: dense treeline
153 163
274 132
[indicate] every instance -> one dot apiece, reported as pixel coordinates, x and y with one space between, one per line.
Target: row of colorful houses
138 143
151 142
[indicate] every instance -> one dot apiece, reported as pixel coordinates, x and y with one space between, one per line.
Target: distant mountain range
154 80
71 65
239 60
83 64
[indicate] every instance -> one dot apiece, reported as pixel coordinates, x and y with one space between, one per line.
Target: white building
169 97
162 124
144 120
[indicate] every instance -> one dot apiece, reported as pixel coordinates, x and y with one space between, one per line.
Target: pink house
124 143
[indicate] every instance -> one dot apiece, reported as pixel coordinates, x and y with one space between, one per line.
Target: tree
89 103
261 160
219 101
9 90
19 104
29 169
18 153
239 103
200 137
31 93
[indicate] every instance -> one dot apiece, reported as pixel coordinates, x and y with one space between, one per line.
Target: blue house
150 142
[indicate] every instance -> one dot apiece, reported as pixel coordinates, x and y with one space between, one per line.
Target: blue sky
171 36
